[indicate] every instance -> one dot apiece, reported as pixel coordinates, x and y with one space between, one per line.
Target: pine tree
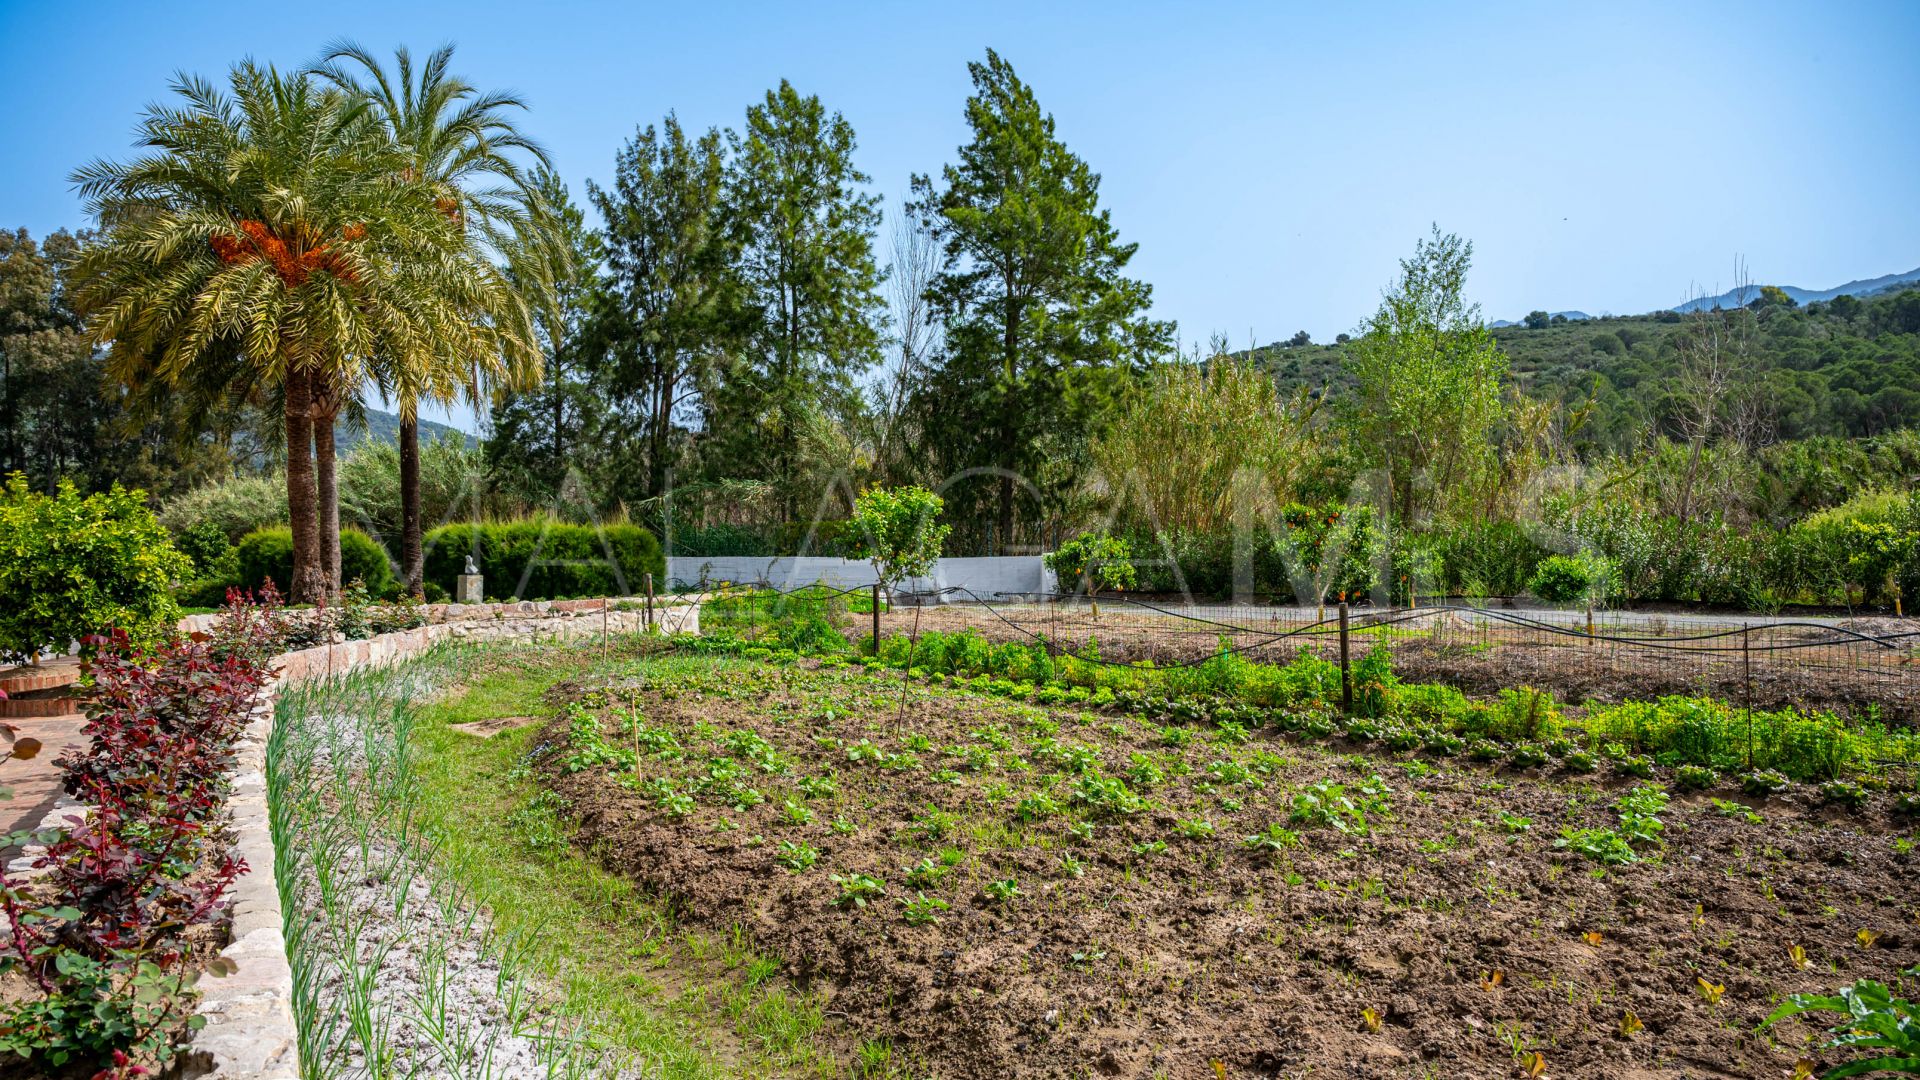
1040 320
539 436
807 264
670 308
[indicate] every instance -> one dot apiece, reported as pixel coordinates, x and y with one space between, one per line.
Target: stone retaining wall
250 1032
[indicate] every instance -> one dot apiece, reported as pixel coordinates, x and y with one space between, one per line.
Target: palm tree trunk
309 581
411 559
329 489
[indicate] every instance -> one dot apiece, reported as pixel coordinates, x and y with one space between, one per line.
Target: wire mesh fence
1858 666
1855 665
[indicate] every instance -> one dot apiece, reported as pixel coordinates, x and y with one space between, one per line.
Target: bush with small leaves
72 567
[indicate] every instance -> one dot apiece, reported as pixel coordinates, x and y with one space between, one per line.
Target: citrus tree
896 529
73 566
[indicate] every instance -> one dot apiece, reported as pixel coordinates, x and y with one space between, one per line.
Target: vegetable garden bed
987 888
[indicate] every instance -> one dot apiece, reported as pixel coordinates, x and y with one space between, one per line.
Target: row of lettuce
1707 742
110 931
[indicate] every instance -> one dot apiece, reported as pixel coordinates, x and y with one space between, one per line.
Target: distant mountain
385 427
1864 287
1570 316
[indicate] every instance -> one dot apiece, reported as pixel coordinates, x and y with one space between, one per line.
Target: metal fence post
1346 667
1746 664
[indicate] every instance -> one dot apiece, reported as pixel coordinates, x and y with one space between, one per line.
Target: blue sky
1272 160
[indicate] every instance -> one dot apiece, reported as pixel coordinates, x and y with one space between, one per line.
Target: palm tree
273 225
461 143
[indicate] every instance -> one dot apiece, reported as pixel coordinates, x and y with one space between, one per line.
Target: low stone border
250 1032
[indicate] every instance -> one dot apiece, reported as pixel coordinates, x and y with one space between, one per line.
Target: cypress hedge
545 560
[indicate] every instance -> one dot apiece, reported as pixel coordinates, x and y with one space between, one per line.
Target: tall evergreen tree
1039 318
539 436
670 305
807 264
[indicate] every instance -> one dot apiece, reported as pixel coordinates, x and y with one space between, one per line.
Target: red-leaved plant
104 939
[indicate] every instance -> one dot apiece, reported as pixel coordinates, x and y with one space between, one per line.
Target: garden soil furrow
1442 942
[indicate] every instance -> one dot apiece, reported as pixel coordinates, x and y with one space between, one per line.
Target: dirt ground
1450 939
1482 660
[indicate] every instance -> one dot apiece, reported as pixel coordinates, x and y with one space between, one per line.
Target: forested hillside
1845 367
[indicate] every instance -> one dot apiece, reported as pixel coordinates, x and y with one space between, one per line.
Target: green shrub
1522 714
204 543
73 566
236 506
1864 551
1563 579
545 560
268 553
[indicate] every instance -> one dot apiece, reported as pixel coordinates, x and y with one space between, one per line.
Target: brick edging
250 1032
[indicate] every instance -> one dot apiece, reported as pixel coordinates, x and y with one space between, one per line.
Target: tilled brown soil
1480 660
1468 941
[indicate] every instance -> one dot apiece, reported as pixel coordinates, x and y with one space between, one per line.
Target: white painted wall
984 577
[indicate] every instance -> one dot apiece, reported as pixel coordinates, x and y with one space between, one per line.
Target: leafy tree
73 566
898 531
1428 379
271 238
1537 320
40 339
1300 340
808 268
670 310
460 142
1038 316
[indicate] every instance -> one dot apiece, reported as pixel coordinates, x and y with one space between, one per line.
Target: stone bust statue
471 568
